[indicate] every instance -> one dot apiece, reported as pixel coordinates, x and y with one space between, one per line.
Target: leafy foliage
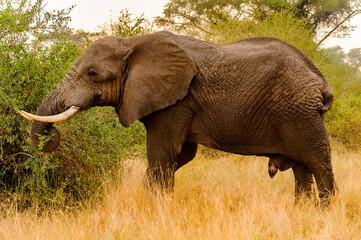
202 16
354 57
27 73
344 118
26 76
21 19
127 25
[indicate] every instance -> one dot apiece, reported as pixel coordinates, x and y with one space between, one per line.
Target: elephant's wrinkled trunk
50 106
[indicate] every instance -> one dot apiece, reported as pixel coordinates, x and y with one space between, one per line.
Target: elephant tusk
51 119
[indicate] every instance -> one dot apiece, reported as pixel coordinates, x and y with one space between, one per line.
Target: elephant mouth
54 118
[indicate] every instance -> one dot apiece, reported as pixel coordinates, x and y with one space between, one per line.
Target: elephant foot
326 185
157 182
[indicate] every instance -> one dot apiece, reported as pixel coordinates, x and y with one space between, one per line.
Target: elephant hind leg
321 167
326 186
303 181
303 175
311 147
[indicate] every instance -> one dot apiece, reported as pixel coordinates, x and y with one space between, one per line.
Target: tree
20 20
203 15
336 54
354 57
127 25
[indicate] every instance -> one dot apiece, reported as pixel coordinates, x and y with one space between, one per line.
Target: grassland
217 196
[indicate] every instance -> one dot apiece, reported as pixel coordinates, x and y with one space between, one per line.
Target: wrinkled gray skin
257 96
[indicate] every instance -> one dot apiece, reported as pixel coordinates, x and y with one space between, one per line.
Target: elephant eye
92 73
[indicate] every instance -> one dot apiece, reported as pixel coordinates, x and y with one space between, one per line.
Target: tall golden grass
226 197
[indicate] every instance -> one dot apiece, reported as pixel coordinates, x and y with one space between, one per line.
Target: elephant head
136 75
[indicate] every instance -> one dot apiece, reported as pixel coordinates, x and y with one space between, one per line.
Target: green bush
93 143
27 75
344 119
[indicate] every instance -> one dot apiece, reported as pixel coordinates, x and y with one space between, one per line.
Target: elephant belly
232 134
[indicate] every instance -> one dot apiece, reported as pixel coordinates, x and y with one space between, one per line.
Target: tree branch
354 13
21 153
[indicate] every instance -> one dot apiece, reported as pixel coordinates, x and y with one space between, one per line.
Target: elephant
256 96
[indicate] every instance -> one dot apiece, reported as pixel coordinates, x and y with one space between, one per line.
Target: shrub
27 75
94 141
344 119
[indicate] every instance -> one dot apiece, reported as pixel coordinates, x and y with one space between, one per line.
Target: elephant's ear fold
158 75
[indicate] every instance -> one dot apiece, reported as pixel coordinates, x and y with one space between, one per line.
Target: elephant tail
327 99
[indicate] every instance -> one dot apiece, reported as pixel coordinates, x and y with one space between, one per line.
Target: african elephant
257 96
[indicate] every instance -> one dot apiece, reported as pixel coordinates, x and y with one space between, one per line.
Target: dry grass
230 197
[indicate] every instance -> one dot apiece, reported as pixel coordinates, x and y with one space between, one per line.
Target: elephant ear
158 75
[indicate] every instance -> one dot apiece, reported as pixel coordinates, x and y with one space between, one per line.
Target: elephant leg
303 175
303 181
188 152
326 185
166 147
310 146
321 167
163 174
162 163
159 177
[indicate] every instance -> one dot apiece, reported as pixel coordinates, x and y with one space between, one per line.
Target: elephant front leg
188 152
161 164
159 178
166 148
160 174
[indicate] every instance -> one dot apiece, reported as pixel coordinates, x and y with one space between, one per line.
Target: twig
354 13
2 150
22 153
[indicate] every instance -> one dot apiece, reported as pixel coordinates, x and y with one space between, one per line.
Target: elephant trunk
61 104
51 105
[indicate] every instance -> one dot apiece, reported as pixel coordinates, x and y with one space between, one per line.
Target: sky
89 14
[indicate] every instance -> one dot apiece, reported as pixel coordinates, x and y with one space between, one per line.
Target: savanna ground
217 196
